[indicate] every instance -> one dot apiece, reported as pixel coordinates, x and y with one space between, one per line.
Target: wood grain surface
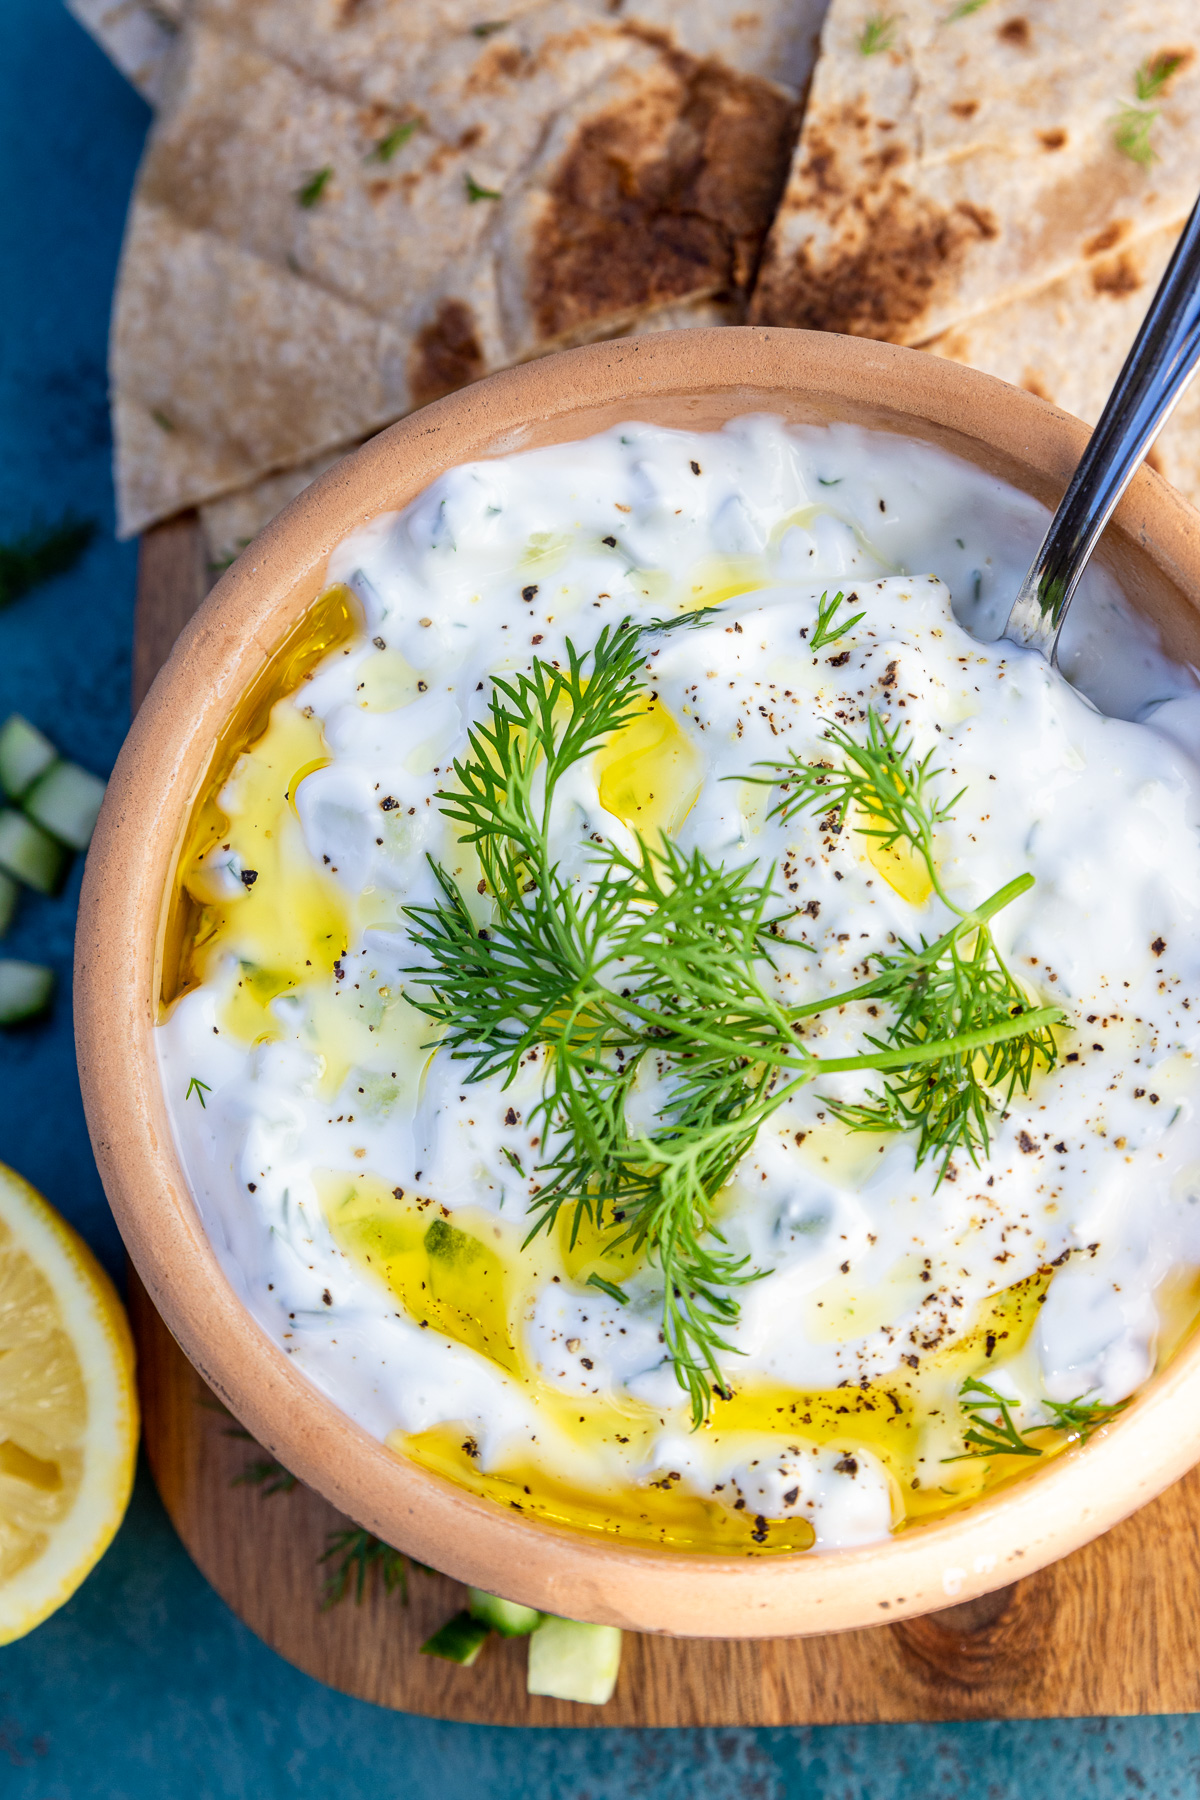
1113 1629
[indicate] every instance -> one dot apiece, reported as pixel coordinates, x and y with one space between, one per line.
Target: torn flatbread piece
954 157
347 210
232 521
135 35
1068 341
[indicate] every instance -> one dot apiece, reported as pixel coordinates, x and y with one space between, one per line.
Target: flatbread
135 35
1067 343
232 521
570 174
973 158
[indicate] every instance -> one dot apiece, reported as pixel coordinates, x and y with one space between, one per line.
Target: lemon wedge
68 1409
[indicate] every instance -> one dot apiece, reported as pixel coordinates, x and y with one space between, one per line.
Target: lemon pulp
68 1411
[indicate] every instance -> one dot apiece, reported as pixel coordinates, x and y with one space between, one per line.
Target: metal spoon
1163 360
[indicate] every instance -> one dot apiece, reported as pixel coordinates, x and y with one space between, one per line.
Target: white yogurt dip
370 1202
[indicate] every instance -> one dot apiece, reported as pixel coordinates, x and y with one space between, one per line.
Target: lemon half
68 1409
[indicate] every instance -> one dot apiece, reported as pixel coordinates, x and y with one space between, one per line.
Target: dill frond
1000 1435
474 192
661 962
1153 76
357 1557
395 140
879 33
826 630
313 186
958 990
266 1474
1131 133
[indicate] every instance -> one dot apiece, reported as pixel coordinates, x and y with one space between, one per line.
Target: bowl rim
697 376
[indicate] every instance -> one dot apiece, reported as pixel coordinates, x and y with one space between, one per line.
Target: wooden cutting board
1113 1629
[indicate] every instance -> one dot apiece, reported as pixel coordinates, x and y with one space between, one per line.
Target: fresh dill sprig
1131 133
474 192
880 778
659 967
608 1287
1001 1436
827 630
960 986
357 1556
1152 77
989 1437
313 186
199 1088
879 33
268 1475
1082 1418
41 553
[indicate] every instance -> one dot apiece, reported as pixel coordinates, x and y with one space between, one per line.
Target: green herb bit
395 140
826 631
964 9
1131 134
268 1475
41 553
988 1437
161 420
314 185
511 1157
879 33
356 1556
1080 1418
1152 78
608 1287
489 27
958 988
475 192
199 1088
664 958
892 791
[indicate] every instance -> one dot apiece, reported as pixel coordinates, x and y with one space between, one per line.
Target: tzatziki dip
672 1024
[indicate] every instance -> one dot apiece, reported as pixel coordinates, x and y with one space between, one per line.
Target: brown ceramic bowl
696 379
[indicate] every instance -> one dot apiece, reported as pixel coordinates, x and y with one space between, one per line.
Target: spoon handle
1157 370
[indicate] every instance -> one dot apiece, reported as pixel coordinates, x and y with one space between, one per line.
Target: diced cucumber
8 901
504 1616
25 990
459 1641
30 853
24 755
66 802
574 1662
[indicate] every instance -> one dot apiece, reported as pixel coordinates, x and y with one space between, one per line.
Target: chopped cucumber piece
574 1662
25 990
30 853
8 901
459 1641
66 801
504 1616
24 755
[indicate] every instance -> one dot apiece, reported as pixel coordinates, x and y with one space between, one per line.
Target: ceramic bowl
695 379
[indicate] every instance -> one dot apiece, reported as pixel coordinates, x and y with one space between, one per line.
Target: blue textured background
146 1687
